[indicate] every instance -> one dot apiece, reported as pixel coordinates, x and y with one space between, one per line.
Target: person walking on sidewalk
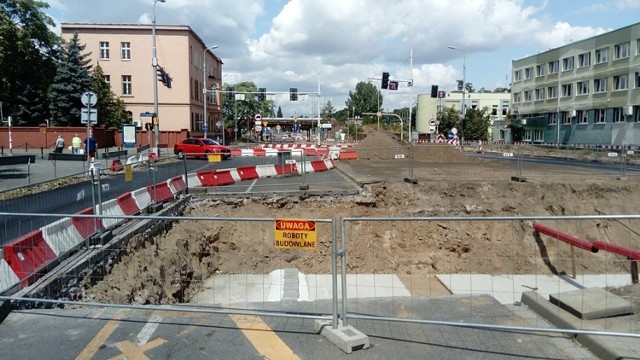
76 144
90 146
59 145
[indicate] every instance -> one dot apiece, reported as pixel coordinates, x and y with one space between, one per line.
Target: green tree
449 118
27 60
71 81
327 111
239 113
112 111
476 124
365 98
279 114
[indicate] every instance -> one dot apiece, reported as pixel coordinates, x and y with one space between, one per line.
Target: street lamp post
464 84
204 88
154 62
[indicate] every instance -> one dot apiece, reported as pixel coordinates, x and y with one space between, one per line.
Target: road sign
378 114
441 94
147 114
205 128
257 117
85 116
432 122
89 97
295 234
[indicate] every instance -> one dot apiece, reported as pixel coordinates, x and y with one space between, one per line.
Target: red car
200 147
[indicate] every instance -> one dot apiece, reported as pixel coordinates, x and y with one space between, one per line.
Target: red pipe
620 250
582 244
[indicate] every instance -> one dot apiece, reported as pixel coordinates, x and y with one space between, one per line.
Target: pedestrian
59 145
76 144
90 146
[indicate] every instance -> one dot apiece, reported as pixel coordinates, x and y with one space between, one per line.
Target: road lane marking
149 328
131 351
253 183
263 339
96 343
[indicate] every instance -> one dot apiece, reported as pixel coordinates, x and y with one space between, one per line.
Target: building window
538 135
599 85
584 59
104 50
526 136
566 90
552 92
553 119
125 48
622 50
602 55
583 87
618 115
527 95
126 85
528 73
553 67
567 63
600 116
566 118
582 116
539 94
517 98
540 70
621 82
107 79
517 76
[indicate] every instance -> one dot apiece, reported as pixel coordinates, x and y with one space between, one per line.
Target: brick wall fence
28 138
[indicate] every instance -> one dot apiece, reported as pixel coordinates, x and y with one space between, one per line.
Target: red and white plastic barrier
26 258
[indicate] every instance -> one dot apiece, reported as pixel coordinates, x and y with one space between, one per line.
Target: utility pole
154 62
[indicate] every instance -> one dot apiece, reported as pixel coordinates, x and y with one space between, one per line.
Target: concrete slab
283 285
592 303
508 289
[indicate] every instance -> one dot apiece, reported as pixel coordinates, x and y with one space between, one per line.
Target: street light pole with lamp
154 62
204 88
464 85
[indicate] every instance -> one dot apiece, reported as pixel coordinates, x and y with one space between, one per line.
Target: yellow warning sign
296 234
265 123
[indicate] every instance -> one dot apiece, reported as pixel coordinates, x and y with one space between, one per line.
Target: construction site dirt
449 184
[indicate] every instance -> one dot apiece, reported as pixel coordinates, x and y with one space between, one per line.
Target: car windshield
209 142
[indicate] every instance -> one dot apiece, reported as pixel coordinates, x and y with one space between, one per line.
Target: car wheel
180 154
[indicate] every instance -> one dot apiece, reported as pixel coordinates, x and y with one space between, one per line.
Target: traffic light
293 94
164 77
263 94
434 91
393 85
385 80
232 94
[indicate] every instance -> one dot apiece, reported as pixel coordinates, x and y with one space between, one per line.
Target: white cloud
350 41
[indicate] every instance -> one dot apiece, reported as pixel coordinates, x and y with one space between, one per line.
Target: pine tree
112 111
71 81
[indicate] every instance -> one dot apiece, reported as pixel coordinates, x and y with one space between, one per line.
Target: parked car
200 147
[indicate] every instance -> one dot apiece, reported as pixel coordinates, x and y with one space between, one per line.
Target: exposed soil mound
382 145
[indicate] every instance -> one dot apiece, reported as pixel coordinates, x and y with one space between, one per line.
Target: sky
280 44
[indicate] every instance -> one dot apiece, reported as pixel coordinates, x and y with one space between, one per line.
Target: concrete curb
600 346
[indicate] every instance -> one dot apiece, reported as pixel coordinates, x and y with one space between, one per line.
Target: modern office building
586 92
124 51
428 108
